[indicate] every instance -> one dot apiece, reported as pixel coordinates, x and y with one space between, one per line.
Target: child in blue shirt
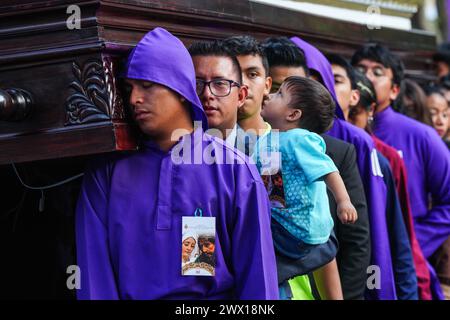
300 111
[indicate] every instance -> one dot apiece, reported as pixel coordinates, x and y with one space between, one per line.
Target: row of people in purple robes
129 219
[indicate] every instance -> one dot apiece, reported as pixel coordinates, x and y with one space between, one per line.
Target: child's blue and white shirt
300 154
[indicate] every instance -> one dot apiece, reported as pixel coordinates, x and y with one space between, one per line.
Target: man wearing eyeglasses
426 157
219 87
133 207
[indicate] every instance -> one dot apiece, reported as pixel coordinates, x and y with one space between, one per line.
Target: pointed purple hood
162 58
374 186
315 60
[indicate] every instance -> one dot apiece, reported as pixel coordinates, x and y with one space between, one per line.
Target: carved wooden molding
115 99
95 97
90 102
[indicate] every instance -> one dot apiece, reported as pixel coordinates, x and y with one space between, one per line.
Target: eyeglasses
218 87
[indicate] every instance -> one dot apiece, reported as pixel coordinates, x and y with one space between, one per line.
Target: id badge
198 254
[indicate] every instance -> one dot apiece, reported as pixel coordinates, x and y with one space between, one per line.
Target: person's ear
268 86
373 106
354 97
180 97
293 115
242 95
395 91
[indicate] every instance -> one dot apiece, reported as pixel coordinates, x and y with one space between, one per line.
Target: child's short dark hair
246 45
315 102
381 54
216 48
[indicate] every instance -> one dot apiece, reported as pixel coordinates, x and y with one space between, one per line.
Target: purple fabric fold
368 165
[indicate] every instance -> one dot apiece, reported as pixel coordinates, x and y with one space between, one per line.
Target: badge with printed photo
198 256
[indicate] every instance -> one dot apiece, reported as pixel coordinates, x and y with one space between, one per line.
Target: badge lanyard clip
198 212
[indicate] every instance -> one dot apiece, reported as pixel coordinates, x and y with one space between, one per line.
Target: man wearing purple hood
129 219
371 176
426 157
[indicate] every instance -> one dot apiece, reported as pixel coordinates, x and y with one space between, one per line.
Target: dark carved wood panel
55 86
95 96
72 74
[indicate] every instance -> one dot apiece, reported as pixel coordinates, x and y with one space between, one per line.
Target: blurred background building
426 15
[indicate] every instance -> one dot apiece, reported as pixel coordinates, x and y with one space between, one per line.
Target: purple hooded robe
370 171
130 209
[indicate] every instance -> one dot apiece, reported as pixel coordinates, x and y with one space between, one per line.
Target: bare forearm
336 185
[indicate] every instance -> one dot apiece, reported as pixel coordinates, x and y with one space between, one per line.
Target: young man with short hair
426 157
219 87
344 83
286 60
348 95
255 75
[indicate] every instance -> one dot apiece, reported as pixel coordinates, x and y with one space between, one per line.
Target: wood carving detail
115 99
93 99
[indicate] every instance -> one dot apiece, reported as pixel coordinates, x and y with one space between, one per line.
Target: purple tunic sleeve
433 229
370 173
376 203
375 190
93 258
253 252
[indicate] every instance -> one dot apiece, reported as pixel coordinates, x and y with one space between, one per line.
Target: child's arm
345 210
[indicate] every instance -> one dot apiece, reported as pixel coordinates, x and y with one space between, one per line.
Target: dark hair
412 102
434 89
246 45
315 102
340 61
216 48
443 54
280 51
206 237
367 93
444 82
381 54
